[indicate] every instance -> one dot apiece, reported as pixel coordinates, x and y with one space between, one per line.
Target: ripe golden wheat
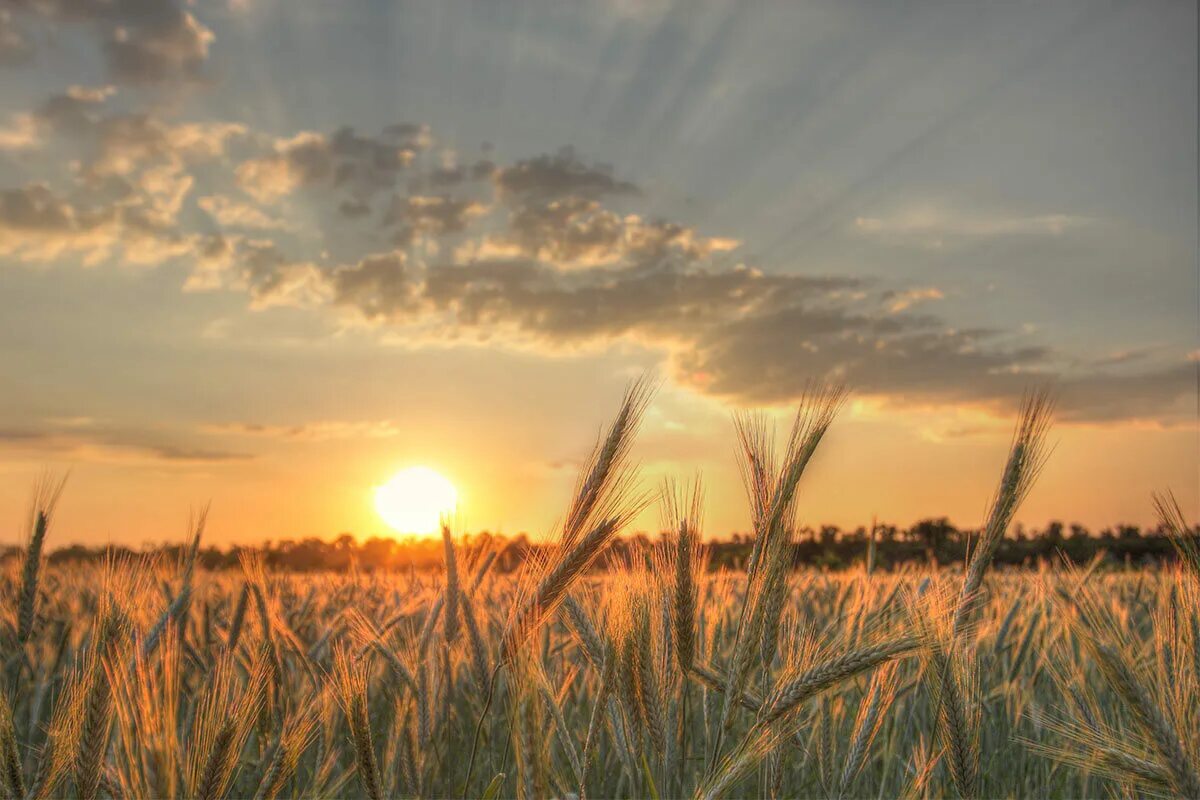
659 678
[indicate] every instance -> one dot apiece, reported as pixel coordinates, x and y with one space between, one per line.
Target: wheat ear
1182 535
45 498
450 618
791 692
350 681
98 709
1025 460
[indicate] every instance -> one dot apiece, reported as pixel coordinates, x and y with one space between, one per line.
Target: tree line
928 541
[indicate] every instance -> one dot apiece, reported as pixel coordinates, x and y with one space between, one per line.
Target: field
659 679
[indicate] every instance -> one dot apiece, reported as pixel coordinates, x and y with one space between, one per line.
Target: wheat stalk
350 682
1183 536
10 755
45 497
792 691
450 618
98 711
956 721
298 733
871 713
1025 460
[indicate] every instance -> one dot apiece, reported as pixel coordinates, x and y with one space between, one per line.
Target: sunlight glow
415 500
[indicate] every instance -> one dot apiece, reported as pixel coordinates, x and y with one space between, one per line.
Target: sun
415 500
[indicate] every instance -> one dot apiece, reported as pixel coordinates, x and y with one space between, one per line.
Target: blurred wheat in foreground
657 679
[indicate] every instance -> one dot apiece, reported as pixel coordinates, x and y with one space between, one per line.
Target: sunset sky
269 253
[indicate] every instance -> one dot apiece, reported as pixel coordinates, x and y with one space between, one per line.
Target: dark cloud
450 177
304 160
168 452
20 435
561 175
368 163
378 287
127 143
75 111
907 359
567 231
361 165
573 232
35 208
769 358
528 299
144 41
120 143
746 336
1149 394
36 224
316 431
552 265
91 440
431 215
159 47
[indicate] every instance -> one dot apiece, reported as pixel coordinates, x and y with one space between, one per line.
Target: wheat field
659 678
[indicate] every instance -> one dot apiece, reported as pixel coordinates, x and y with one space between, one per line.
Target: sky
266 254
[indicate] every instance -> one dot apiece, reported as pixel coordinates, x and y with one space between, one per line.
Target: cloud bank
553 252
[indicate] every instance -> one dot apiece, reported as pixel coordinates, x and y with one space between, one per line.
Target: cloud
230 213
126 193
143 42
77 112
380 287
554 267
450 176
422 215
259 268
20 134
315 431
528 302
740 334
567 231
36 225
934 227
361 164
301 160
573 232
127 142
551 253
39 226
91 440
164 46
561 175
770 358
900 300
127 153
1126 355
1166 393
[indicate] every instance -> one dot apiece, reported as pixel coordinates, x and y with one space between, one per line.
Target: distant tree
830 547
933 533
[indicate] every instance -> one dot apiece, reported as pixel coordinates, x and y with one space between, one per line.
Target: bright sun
415 500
